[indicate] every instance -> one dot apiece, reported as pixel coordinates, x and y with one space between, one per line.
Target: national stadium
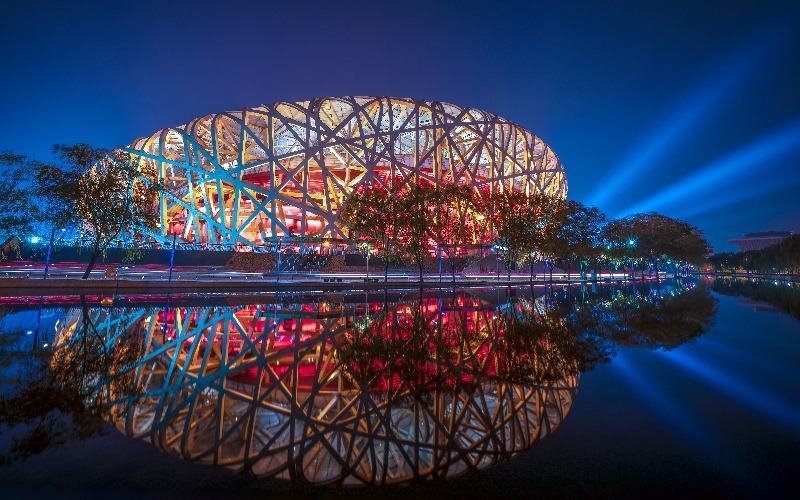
250 178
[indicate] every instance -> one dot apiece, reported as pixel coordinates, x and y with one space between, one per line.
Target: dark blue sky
688 108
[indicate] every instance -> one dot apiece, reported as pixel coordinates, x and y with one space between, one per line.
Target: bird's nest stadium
282 172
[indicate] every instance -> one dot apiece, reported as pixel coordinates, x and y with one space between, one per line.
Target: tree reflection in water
324 391
65 392
782 293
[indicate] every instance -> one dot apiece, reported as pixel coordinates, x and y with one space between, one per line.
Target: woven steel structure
251 176
299 391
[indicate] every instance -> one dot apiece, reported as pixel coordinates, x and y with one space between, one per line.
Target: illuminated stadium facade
282 172
318 393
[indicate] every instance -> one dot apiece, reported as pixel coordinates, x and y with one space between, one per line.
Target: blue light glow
683 117
751 362
671 411
747 395
727 170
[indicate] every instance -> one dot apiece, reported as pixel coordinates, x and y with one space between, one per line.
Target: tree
414 228
783 257
457 221
373 216
682 243
544 226
108 194
67 390
651 238
510 212
579 233
523 224
18 214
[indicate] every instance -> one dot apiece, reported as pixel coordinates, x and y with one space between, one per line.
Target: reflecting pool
399 387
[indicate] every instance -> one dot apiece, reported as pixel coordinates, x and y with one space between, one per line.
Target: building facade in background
757 241
283 171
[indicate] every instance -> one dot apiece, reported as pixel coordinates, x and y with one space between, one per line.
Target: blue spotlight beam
659 143
671 411
759 154
718 86
737 389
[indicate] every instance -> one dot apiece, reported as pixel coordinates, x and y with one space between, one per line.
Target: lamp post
632 245
49 249
278 270
172 256
439 247
366 247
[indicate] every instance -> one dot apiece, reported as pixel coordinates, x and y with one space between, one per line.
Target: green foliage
522 224
415 231
18 213
653 238
415 220
373 216
783 295
781 258
458 221
104 192
397 223
579 232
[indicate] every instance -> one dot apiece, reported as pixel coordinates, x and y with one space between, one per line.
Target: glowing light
660 142
671 410
296 199
737 389
35 240
728 169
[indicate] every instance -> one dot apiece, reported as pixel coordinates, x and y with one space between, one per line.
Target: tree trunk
440 263
92 260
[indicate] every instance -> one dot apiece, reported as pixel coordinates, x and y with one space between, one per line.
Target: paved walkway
29 280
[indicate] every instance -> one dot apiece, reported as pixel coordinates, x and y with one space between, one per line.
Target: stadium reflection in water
373 389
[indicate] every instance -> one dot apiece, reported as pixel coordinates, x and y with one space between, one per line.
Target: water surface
668 388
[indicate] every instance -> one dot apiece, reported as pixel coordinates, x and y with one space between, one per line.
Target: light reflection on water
378 389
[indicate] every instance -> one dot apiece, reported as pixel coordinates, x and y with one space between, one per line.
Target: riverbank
759 276
243 282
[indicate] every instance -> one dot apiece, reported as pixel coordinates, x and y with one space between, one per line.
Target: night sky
688 108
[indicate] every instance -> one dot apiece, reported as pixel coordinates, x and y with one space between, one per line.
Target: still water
670 388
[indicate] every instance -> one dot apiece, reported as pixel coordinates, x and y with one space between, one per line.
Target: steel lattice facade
284 170
272 390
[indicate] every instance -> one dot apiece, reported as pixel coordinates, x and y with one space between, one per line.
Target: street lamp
172 256
632 244
278 270
366 247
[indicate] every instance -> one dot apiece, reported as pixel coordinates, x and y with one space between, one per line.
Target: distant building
757 241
